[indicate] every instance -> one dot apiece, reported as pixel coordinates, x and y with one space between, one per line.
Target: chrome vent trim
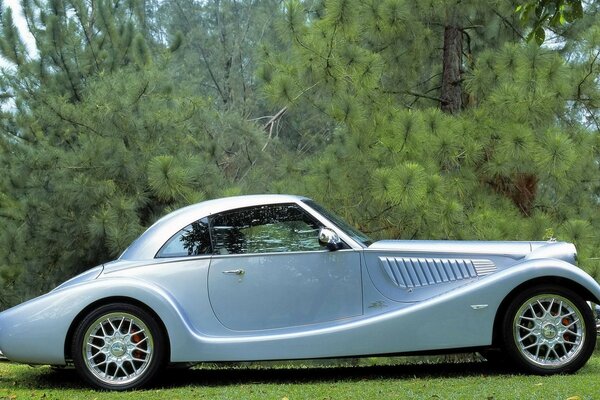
484 267
418 272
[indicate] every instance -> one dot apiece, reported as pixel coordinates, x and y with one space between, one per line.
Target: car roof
148 244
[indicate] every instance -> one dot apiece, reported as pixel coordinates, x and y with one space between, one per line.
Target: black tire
548 329
118 347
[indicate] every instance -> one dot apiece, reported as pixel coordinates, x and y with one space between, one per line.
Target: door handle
235 272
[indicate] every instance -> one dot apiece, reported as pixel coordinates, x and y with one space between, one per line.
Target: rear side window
193 240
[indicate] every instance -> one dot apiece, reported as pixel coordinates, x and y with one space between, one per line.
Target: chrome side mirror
329 238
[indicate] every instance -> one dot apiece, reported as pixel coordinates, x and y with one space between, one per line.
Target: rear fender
35 331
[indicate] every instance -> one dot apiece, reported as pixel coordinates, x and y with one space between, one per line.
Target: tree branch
202 53
507 22
412 93
590 72
67 119
271 123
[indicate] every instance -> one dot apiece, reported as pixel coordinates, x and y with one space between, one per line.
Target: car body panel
444 322
260 291
389 297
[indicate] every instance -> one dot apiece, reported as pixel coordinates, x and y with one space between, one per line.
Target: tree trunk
451 95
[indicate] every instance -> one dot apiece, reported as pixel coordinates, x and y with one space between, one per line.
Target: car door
269 271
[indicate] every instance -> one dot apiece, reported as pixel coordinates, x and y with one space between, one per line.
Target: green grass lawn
471 380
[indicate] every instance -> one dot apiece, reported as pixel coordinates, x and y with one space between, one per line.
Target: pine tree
95 144
221 47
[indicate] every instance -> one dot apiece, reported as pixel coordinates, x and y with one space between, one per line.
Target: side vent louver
418 272
484 267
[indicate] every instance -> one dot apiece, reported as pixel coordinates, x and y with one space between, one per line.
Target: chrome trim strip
479 306
282 253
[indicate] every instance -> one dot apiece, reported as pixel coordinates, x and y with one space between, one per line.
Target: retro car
273 277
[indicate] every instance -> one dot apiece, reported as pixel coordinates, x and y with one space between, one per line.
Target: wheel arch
110 300
585 293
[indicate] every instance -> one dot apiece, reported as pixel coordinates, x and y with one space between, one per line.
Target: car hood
516 250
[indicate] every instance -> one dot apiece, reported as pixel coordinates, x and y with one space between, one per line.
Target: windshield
340 223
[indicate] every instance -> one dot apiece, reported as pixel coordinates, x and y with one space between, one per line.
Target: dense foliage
430 119
97 143
519 159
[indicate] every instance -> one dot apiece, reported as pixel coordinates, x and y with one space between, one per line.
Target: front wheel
548 329
118 347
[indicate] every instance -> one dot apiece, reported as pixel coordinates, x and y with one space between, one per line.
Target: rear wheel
549 329
118 347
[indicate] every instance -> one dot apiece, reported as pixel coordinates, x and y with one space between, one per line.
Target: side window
265 229
193 240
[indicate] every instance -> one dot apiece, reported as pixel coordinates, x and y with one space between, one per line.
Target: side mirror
329 238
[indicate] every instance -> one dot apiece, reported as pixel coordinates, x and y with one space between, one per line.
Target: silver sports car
274 277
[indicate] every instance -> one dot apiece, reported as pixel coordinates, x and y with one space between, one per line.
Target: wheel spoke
142 350
133 368
122 369
112 326
100 364
532 310
103 330
542 307
568 314
564 348
572 323
140 341
530 346
549 310
95 346
526 328
138 332
526 336
560 307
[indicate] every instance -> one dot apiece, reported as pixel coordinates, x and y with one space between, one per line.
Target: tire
548 329
118 347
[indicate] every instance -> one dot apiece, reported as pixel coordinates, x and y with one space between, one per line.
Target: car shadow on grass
212 375
295 374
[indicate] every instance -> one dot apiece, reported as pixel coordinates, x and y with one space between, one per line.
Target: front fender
535 269
35 332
